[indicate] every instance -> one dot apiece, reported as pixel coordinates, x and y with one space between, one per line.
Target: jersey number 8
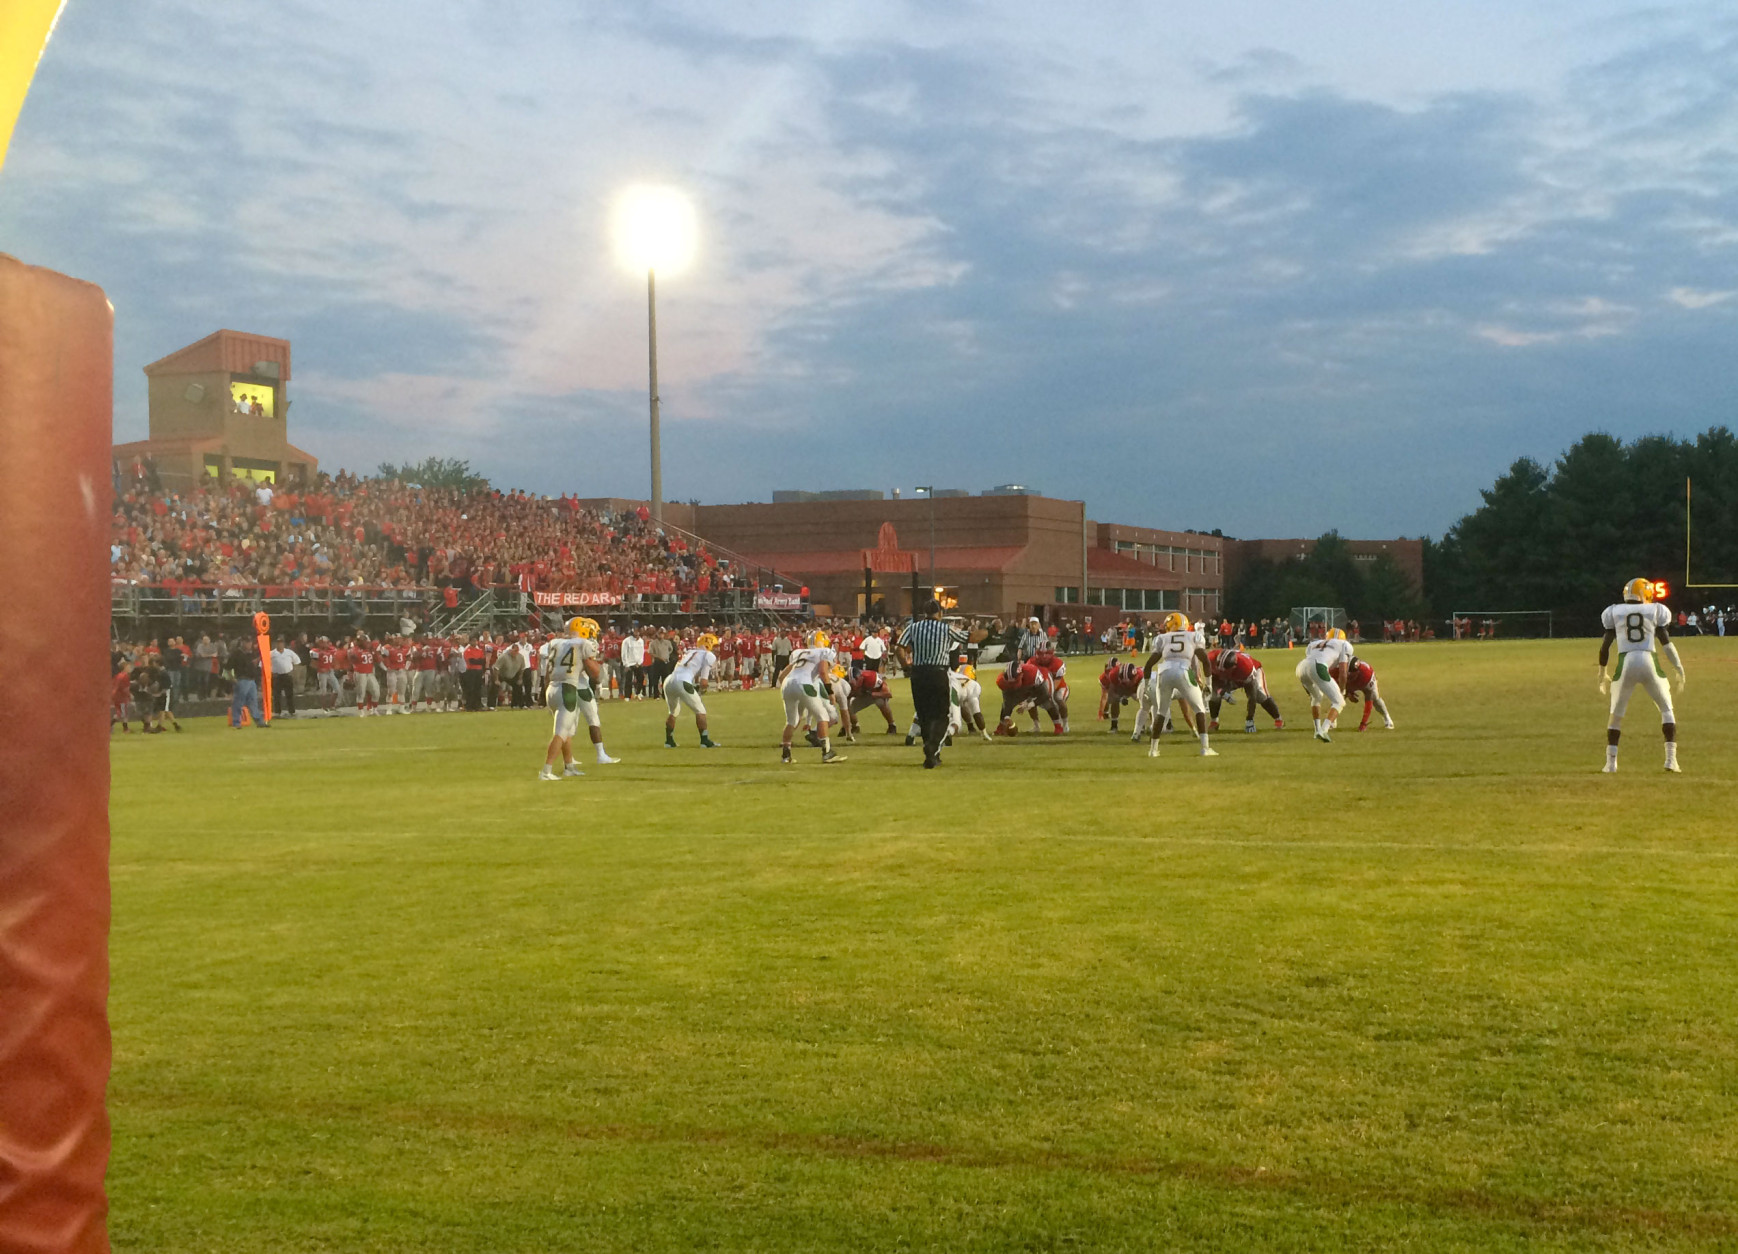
1632 629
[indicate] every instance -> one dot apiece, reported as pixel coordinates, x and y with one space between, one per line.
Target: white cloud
1691 298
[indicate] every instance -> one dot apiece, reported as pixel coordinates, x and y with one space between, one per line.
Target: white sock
1203 740
1671 752
601 755
1611 753
826 744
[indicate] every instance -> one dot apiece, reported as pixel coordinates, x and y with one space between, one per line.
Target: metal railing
149 604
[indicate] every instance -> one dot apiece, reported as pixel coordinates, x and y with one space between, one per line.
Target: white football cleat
1673 767
604 759
1209 753
1610 768
547 774
570 771
1153 749
1388 726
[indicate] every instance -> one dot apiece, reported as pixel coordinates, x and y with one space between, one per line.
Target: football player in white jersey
805 683
570 671
964 708
838 696
1320 672
971 699
684 686
1639 626
1171 675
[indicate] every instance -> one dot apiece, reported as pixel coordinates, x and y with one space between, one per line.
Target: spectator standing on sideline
284 663
874 649
244 665
633 664
205 659
662 652
926 647
476 661
175 670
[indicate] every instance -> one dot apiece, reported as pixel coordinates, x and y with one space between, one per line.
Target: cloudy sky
1262 266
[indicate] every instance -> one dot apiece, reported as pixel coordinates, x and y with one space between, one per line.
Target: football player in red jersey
363 655
746 653
325 669
1024 682
1117 683
428 667
1361 681
395 659
869 689
1233 670
1056 671
121 697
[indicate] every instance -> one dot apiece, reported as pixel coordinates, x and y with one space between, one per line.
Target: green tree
437 472
1568 537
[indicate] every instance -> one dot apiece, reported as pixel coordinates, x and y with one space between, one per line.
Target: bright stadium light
655 230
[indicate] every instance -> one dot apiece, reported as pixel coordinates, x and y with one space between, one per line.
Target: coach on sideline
925 647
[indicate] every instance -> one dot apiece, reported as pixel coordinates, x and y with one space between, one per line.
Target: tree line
1563 537
1567 537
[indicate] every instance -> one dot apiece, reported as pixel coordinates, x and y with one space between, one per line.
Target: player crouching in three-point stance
1117 683
684 686
1637 625
1321 672
1361 682
570 669
869 689
805 685
1170 673
1233 670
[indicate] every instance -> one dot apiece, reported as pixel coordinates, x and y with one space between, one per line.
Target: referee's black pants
929 698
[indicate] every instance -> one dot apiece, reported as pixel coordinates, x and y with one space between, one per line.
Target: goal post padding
56 382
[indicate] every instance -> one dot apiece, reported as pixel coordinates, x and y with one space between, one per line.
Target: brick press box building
220 407
1006 552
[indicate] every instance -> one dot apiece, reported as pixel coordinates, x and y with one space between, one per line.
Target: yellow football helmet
1638 590
838 671
706 641
819 640
1336 633
968 671
584 628
1175 622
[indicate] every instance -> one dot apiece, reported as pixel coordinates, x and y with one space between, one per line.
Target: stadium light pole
930 493
654 230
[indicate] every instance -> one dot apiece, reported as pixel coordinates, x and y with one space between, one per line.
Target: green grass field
376 988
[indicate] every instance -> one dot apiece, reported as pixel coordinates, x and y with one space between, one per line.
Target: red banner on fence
576 598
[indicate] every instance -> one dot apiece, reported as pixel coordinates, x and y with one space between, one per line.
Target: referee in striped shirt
926 646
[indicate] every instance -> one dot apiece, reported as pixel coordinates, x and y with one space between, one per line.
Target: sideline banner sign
777 601
556 599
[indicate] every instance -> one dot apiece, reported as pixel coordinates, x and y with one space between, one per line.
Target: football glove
1604 683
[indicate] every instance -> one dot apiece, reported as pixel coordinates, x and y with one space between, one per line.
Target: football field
1446 987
